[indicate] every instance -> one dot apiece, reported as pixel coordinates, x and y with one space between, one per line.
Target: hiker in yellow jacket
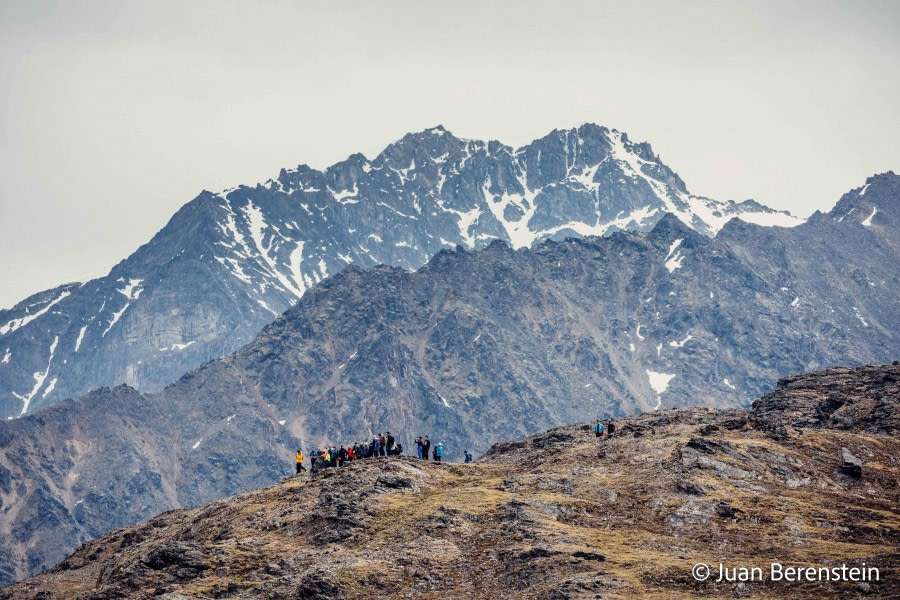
300 466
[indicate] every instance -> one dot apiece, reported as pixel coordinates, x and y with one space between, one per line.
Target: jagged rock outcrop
861 399
227 263
555 515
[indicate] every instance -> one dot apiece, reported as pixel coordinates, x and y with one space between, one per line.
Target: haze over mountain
473 348
227 263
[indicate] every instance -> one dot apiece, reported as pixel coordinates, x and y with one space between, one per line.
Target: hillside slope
807 477
227 263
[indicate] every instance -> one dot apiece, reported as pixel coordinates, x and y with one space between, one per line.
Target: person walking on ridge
300 466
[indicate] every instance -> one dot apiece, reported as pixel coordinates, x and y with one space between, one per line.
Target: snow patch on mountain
80 337
674 257
345 196
770 219
28 318
49 387
177 346
39 379
659 383
517 230
681 344
115 318
132 290
868 221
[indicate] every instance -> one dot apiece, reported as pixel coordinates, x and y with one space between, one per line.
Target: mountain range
474 347
228 263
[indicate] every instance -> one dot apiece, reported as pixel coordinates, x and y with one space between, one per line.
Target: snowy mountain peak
875 203
227 263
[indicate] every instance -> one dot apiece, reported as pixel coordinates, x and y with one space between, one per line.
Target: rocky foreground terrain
808 476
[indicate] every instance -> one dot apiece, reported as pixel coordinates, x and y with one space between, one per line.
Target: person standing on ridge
598 428
390 443
468 456
426 446
300 466
438 452
419 447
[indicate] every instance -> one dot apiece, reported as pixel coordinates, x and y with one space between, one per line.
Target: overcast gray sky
114 114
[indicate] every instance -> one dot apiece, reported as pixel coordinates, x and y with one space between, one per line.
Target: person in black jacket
426 446
390 443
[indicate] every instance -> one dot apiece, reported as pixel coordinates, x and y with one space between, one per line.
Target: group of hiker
385 445
382 444
602 429
423 445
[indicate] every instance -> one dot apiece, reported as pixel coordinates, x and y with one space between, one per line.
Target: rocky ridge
807 476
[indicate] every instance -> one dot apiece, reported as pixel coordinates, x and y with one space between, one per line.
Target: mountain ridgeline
473 348
227 263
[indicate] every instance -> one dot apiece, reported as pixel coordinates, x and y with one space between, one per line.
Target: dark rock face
226 264
841 398
540 517
852 466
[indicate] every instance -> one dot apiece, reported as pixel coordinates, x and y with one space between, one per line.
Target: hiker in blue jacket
438 451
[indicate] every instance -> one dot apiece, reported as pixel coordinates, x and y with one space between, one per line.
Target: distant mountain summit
227 263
